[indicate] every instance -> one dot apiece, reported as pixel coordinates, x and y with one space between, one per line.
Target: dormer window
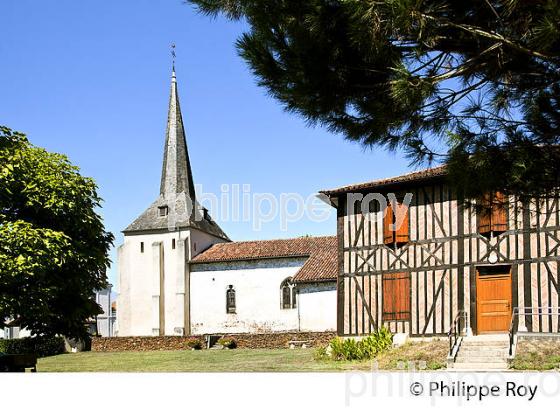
205 214
163 210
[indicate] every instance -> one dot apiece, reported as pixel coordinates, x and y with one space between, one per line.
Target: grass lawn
537 355
238 360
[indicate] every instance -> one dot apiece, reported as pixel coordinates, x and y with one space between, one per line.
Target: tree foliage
53 245
474 84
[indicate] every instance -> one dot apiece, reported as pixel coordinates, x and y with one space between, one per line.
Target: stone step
473 359
483 349
482 357
484 344
478 366
471 350
482 353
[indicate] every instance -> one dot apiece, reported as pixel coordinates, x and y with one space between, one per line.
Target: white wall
257 285
258 298
134 312
138 302
257 290
317 306
14 333
105 320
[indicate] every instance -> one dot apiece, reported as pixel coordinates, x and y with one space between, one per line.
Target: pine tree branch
492 35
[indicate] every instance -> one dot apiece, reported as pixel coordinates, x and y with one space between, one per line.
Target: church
180 274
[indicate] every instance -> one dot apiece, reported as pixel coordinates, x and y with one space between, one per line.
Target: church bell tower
153 261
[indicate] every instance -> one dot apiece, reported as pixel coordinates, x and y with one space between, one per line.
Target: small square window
163 210
141 247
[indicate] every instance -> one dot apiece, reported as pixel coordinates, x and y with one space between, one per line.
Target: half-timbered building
414 257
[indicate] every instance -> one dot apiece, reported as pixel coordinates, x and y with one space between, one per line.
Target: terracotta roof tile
322 252
416 176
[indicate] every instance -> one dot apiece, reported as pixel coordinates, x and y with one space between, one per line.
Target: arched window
288 294
230 299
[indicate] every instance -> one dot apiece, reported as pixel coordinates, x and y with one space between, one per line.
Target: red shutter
401 235
388 233
484 215
396 296
499 213
402 306
388 297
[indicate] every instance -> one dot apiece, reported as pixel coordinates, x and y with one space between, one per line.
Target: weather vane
173 55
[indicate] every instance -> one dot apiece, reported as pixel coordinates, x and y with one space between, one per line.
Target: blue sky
90 79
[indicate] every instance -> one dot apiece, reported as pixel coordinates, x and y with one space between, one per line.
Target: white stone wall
317 306
258 298
257 286
139 290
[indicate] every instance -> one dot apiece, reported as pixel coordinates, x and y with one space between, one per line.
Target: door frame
474 295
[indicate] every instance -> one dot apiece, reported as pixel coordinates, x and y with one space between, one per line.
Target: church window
230 299
288 294
163 210
141 247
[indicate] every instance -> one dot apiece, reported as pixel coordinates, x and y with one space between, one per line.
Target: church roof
176 173
177 194
321 253
150 220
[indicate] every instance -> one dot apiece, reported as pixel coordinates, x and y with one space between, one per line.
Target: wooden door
493 299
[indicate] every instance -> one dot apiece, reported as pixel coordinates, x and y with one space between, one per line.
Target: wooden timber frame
441 257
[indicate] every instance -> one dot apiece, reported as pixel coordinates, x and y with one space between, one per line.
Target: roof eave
318 280
335 193
253 258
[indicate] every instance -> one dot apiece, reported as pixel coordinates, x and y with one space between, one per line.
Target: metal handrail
456 332
527 311
513 328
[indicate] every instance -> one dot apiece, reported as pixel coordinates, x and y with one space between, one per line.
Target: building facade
416 263
153 261
179 273
265 286
104 323
14 332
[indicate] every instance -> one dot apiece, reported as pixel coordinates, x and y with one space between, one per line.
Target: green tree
53 245
473 84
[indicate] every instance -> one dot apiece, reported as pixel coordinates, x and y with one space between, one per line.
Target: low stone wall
280 340
139 344
244 341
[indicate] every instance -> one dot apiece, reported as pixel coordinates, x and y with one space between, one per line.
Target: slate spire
176 174
176 183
